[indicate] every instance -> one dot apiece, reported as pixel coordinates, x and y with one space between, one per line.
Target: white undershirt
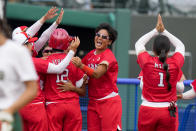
45 37
140 44
59 68
32 30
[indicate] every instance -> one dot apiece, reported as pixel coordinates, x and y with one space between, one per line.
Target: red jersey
106 84
41 67
72 73
193 84
155 87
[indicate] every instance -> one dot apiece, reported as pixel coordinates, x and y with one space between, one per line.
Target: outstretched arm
179 46
190 94
47 33
94 73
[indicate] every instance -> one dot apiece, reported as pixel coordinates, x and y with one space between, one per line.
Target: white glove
6 121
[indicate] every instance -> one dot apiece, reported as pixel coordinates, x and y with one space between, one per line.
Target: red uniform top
154 77
193 84
99 88
41 67
73 73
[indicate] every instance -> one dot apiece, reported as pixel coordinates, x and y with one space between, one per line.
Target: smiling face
102 40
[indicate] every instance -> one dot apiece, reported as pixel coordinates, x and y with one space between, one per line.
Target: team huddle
45 91
61 79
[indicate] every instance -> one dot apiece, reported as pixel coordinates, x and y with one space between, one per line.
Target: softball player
179 88
18 84
160 76
63 108
104 107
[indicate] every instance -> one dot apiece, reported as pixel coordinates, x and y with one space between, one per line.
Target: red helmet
60 39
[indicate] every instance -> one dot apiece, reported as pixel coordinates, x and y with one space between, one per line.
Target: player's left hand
65 86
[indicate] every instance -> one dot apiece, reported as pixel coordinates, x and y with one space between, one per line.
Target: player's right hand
75 43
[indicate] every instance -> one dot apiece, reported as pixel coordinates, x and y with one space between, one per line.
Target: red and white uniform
179 89
153 113
104 108
63 108
154 80
34 114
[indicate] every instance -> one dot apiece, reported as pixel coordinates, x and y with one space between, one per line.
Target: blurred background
132 19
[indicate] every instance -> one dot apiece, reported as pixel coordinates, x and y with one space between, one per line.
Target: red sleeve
143 58
180 75
193 84
179 59
41 65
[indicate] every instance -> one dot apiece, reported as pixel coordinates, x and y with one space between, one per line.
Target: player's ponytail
162 58
161 47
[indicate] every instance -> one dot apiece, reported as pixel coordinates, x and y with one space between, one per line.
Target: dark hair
161 47
111 31
5 28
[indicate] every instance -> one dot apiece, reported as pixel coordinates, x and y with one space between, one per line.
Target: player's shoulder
16 49
108 52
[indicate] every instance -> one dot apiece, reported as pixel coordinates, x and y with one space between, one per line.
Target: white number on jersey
161 80
61 77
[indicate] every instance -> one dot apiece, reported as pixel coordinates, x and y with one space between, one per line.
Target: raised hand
75 43
60 17
160 27
49 15
76 61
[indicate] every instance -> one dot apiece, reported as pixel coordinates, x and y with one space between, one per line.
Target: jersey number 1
161 80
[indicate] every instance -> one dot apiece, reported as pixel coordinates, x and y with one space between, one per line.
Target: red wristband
89 71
